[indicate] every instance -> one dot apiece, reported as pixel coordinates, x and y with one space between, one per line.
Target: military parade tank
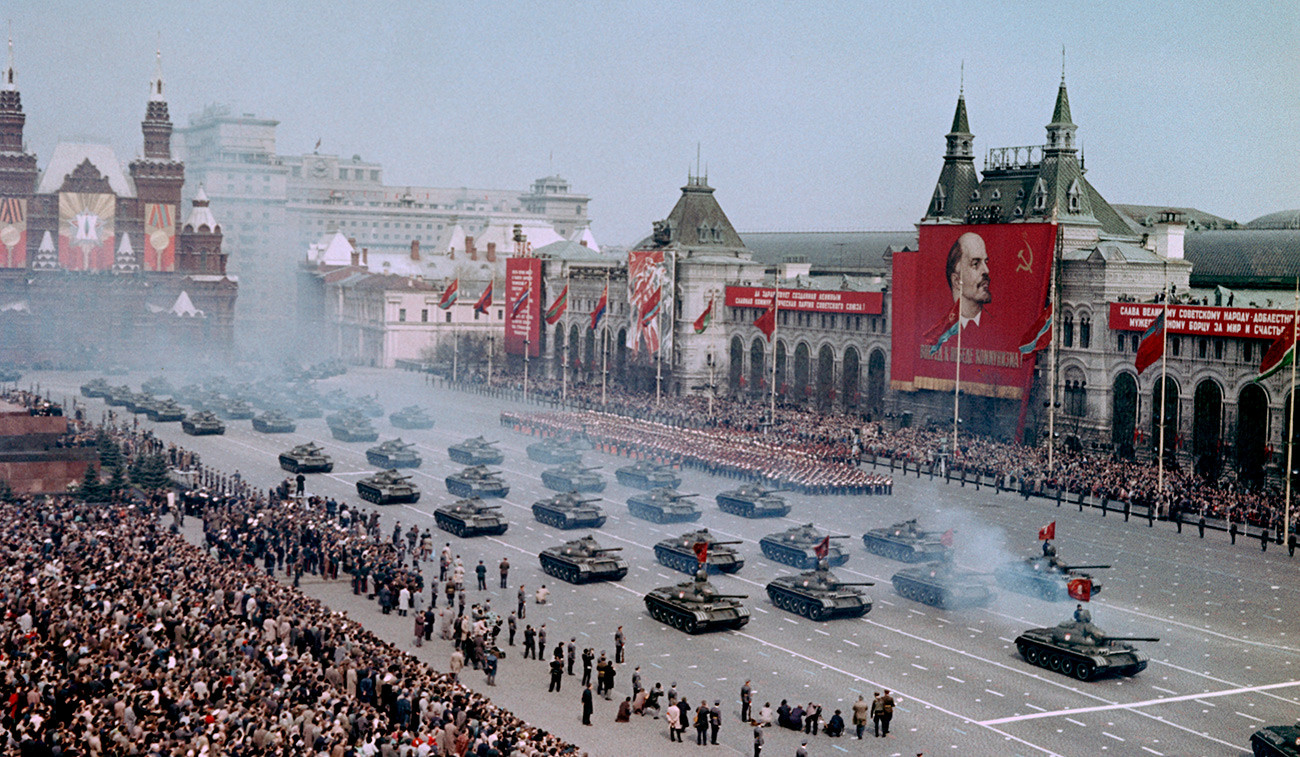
1045 577
9 374
476 451
751 501
1276 741
696 606
477 481
663 505
306 458
394 453
411 417
307 408
583 561
1079 649
943 585
679 553
388 487
905 542
351 426
553 451
569 511
797 546
573 477
644 474
336 399
819 595
96 387
274 422
165 411
203 423
471 517
235 410
118 396
157 385
369 406
138 402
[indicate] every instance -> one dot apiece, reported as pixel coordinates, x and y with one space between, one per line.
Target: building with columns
97 263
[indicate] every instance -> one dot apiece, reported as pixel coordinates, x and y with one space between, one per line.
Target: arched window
1040 195
939 198
1067 331
1085 332
1073 197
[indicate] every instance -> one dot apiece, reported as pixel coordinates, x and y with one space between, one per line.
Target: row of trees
146 472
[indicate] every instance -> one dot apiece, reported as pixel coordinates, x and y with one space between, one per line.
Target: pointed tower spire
1060 132
157 125
9 84
958 179
17 166
156 86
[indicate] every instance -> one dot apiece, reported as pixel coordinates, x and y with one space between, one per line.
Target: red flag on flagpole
701 551
705 319
1080 589
1039 335
823 548
484 300
946 539
1048 532
450 294
766 322
1152 346
561 304
943 330
599 312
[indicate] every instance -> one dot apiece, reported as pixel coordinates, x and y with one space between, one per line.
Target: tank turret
203 423
663 505
351 426
411 417
394 453
583 561
388 487
679 553
165 411
569 511
369 406
476 451
644 474
471 517
696 606
905 542
157 386
797 546
574 477
306 458
477 481
274 422
819 595
752 501
1044 577
553 451
1079 649
941 584
96 387
234 410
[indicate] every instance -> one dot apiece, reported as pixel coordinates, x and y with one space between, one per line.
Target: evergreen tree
151 473
117 481
110 453
6 493
90 489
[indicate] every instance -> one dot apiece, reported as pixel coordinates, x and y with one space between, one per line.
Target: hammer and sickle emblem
1026 256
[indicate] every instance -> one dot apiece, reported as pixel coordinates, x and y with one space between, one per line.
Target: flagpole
564 354
604 346
1164 389
455 351
1290 421
776 318
956 387
1051 393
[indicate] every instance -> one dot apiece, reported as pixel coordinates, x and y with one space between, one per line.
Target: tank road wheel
1054 661
816 612
690 626
1067 665
1032 655
1084 669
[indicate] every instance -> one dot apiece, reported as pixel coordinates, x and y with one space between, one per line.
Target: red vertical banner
13 232
646 280
86 231
523 305
160 237
996 277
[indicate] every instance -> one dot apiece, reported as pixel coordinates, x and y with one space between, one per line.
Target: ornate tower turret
957 179
17 167
198 248
157 124
158 181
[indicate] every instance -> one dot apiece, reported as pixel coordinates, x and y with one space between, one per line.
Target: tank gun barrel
676 497
587 501
838 536
1085 567
589 468
855 583
608 549
729 596
719 543
1151 639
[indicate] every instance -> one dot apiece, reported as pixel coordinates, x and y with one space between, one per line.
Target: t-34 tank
476 451
118 395
96 387
1276 741
819 595
569 511
411 416
477 481
305 407
905 542
138 402
235 410
573 477
351 426
751 501
471 517
1045 577
583 561
165 411
644 474
663 505
203 423
394 453
388 487
369 406
943 585
157 385
306 458
797 546
1079 649
274 422
695 606
553 451
679 553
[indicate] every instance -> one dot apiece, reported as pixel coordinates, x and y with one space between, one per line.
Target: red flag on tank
1080 589
1048 532
823 548
701 551
946 539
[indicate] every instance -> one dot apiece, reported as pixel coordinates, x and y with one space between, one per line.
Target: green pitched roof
1061 115
959 123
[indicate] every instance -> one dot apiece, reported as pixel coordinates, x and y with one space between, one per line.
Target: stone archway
825 376
1123 415
876 380
756 365
735 364
620 354
801 372
560 347
574 344
1252 434
1207 428
1295 438
849 376
782 377
1166 394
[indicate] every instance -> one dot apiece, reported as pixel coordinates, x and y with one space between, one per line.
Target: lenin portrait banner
523 305
992 279
86 229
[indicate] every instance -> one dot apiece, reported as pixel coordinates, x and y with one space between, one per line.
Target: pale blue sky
811 115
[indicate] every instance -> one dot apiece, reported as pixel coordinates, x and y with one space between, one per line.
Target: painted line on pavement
1144 703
